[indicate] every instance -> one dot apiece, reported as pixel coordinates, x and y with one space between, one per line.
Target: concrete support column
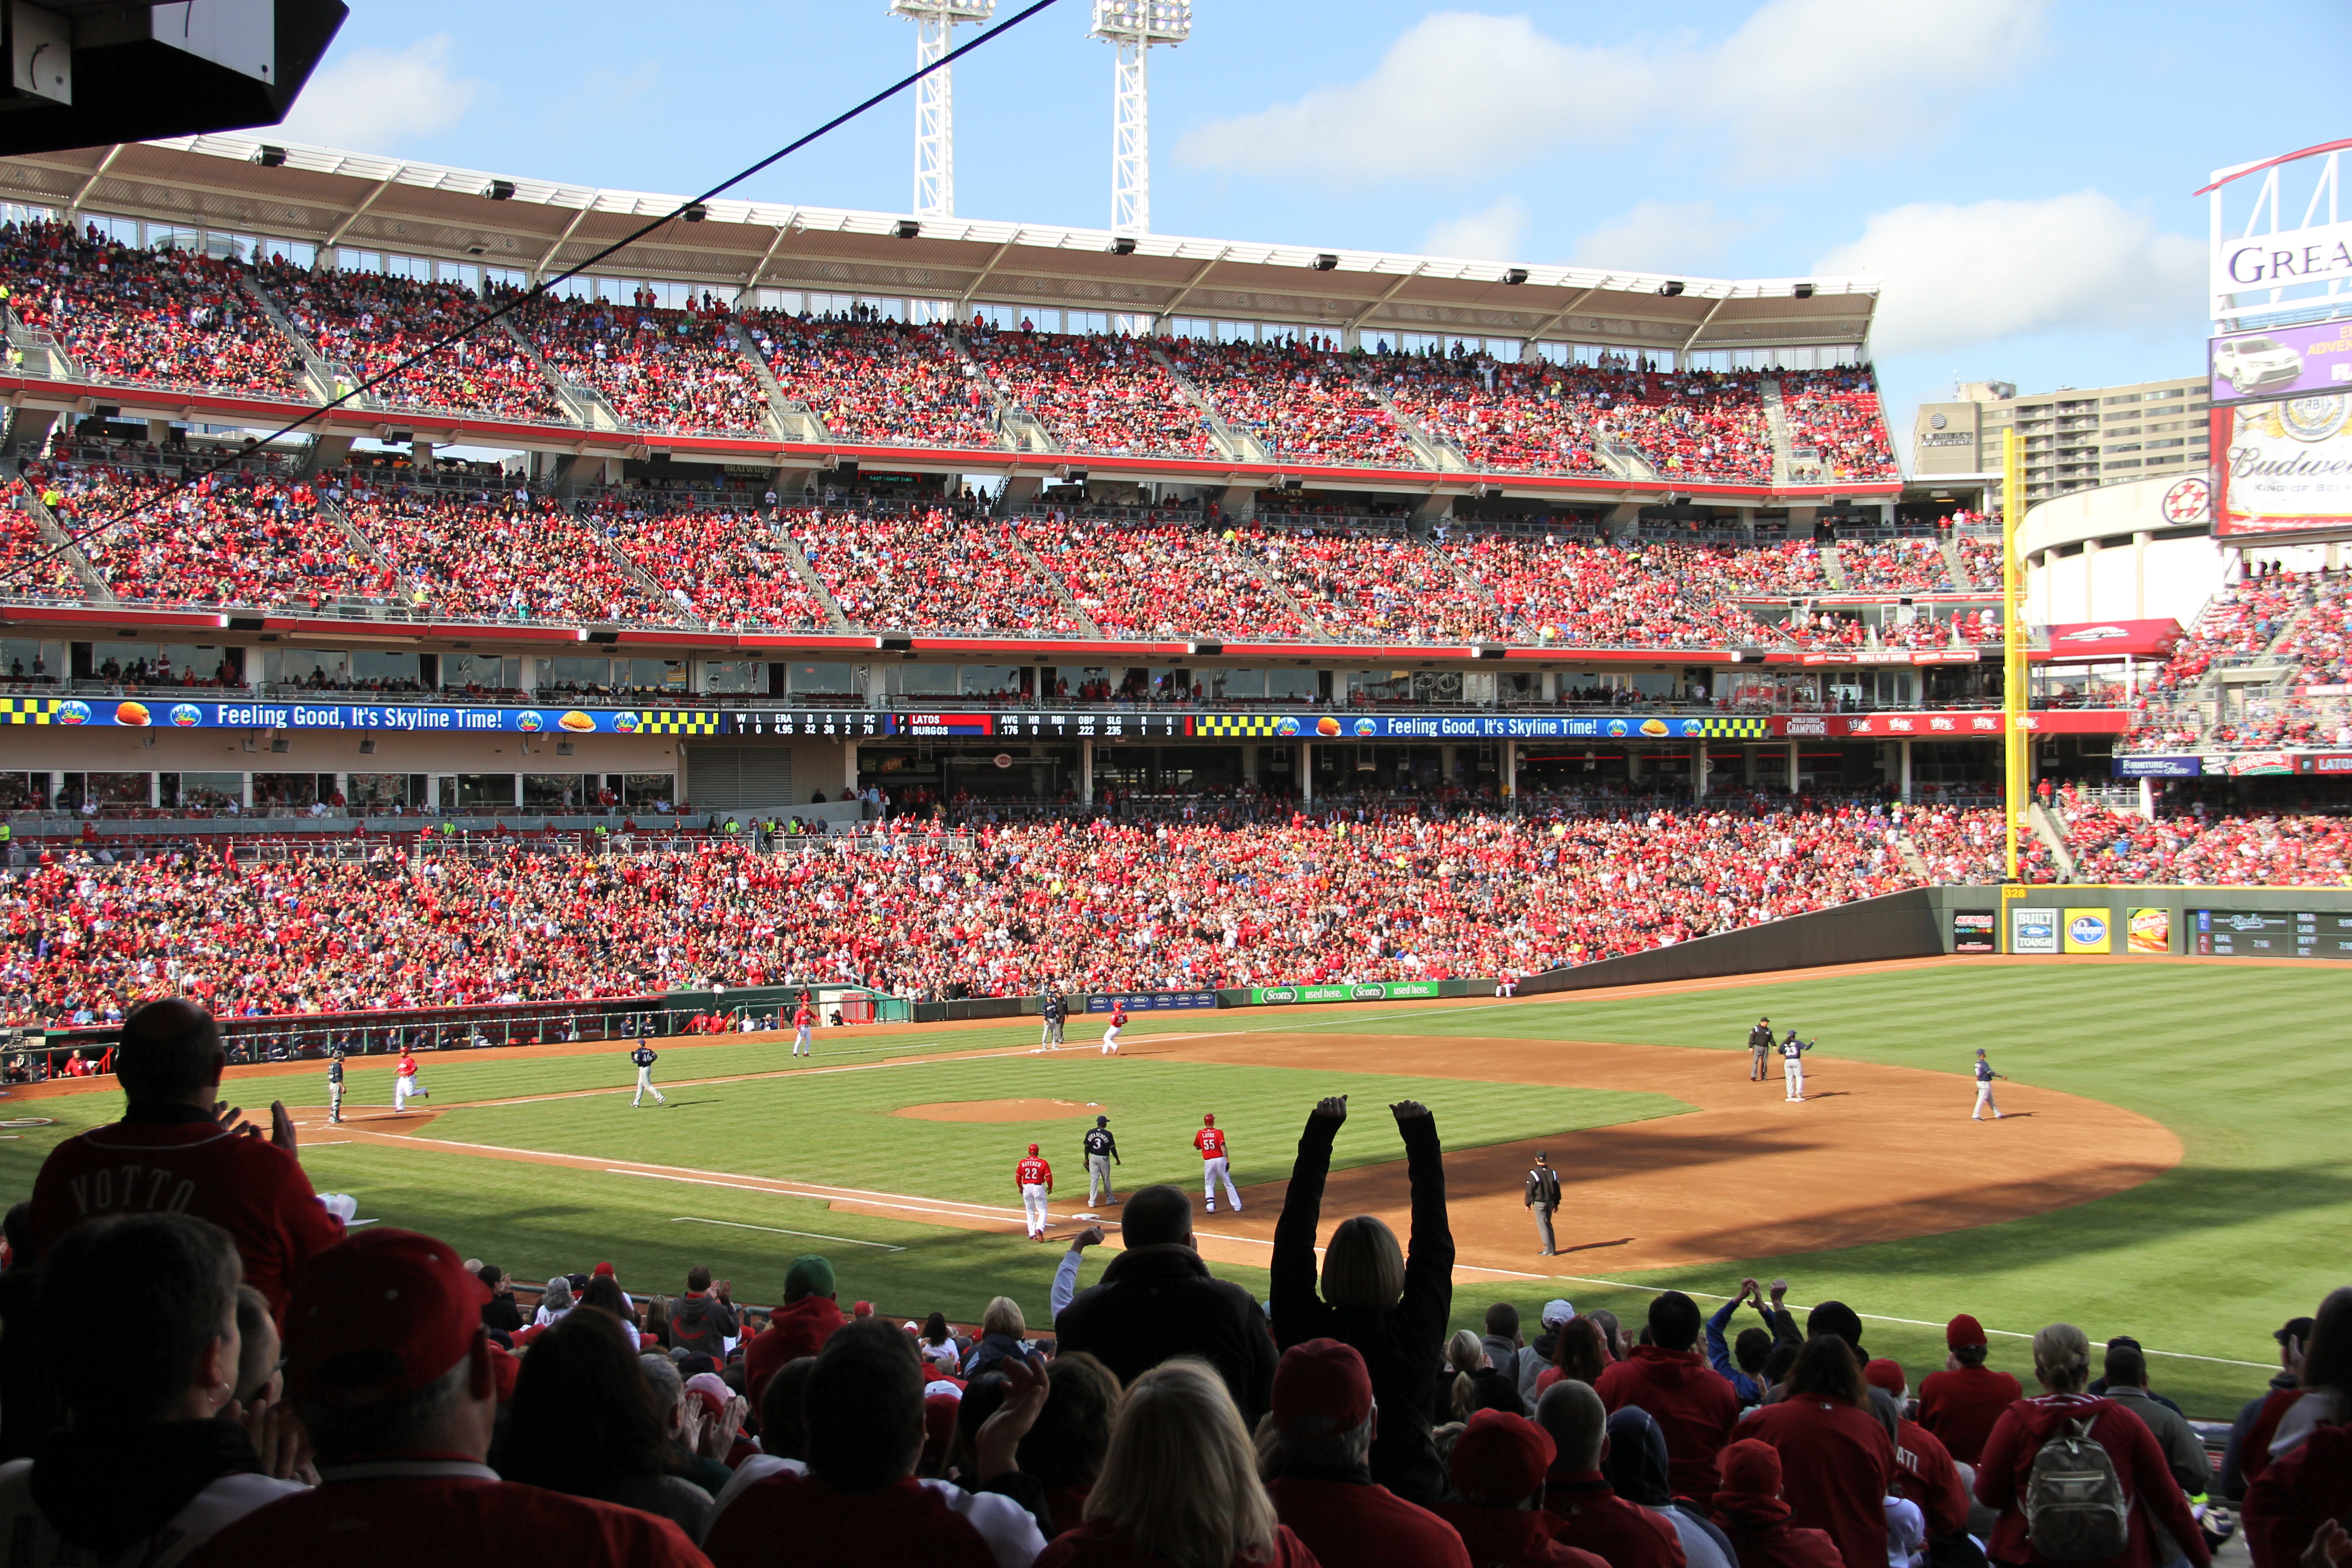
420 454
1249 761
1086 768
2139 574
1905 744
1747 761
1307 771
527 682
1550 685
57 785
1632 764
244 796
1793 773
1698 770
849 766
518 791
155 791
1445 761
2147 800
1510 770
2090 577
158 431
343 787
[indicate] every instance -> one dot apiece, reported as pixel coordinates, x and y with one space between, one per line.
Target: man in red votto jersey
404 1087
1211 1142
389 1369
1034 1177
179 1150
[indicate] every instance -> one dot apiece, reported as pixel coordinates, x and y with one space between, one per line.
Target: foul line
779 1230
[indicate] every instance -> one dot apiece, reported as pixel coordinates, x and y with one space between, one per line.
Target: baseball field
2173 1162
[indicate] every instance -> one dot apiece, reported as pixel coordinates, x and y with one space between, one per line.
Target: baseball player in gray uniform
1102 1153
335 1086
1985 1074
1792 1064
644 1056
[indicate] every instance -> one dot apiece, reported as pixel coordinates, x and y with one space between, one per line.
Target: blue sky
2016 172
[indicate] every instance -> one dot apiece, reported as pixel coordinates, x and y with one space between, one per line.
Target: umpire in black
1760 1046
1543 1199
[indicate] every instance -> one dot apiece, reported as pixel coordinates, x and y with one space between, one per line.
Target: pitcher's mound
996 1109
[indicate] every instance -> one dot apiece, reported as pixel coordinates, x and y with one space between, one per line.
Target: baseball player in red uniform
802 1018
1110 1036
1211 1142
1035 1180
404 1086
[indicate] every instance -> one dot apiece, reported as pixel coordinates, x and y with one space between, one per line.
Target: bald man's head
1572 1413
170 1051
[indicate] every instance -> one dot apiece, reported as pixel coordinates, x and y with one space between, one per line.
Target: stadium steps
330 379
1238 446
53 533
1431 451
1627 461
790 548
583 405
794 420
1957 565
1053 580
1913 861
2053 839
44 355
1017 426
655 591
1833 566
403 586
1776 420
1276 588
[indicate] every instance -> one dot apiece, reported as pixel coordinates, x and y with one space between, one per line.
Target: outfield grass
2250 1229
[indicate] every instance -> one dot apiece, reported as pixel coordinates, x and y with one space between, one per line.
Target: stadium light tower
935 99
1134 25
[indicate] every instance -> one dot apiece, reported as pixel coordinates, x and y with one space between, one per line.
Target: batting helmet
1033 1148
1208 1118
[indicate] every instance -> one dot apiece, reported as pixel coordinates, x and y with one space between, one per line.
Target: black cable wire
535 292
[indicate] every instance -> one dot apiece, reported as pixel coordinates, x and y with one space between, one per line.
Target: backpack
2075 1509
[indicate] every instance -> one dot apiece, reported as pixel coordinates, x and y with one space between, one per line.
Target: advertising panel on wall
2033 930
131 713
2284 465
2281 363
1149 1001
1972 930
2114 640
2090 931
2158 767
2147 930
1357 991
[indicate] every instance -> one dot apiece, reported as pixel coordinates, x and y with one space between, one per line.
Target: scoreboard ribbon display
2270 933
135 713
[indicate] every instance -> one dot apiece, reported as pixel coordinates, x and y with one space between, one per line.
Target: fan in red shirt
178 1149
1836 1458
389 1369
1593 1518
2062 1362
1924 1471
810 1316
1961 1404
1747 1507
1034 1179
1497 1468
1321 1478
1695 1405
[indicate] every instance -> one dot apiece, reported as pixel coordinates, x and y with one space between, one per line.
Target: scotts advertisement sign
1356 991
2114 640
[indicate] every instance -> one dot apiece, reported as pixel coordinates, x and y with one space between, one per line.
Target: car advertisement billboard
2280 362
2284 465
2033 930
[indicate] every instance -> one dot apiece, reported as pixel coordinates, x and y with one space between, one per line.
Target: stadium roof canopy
363 201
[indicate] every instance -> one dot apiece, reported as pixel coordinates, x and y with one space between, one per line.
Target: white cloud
1957 276
1493 234
1800 85
377 98
1658 237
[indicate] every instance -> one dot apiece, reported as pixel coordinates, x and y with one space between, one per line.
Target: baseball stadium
796 760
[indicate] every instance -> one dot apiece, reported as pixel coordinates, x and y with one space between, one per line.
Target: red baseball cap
1321 1389
1963 1331
1883 1374
1500 1458
505 1367
603 1269
379 1317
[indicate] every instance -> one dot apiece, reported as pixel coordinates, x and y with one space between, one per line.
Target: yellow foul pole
2016 796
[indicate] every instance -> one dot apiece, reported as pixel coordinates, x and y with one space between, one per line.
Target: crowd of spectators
2319 640
1895 566
371 320
923 569
1095 394
728 566
2201 848
2243 618
1302 400
1376 893
1789 567
1690 423
661 369
1837 413
512 556
1163 579
1981 557
168 316
30 564
1585 594
232 538
1366 585
881 382
302 1385
1527 417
